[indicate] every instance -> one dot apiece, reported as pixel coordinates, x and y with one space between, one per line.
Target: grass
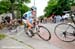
2 36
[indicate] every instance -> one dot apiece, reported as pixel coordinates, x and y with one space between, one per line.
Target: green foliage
58 6
13 5
24 9
72 2
26 1
2 36
51 5
41 17
4 6
12 1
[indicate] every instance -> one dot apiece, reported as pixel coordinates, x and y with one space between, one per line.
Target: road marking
25 44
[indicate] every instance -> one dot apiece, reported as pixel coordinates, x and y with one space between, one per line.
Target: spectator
7 18
58 18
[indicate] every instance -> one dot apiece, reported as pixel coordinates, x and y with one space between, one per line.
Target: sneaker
29 33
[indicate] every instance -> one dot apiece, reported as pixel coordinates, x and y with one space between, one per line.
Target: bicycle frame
36 30
35 26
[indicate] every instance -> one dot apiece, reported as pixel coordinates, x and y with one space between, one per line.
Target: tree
21 6
4 6
63 5
72 2
51 5
58 6
13 5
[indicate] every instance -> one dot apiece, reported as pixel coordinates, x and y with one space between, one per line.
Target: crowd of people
55 18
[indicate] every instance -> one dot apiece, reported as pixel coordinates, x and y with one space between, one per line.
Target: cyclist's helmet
33 8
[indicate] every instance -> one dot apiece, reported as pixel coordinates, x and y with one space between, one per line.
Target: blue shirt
28 17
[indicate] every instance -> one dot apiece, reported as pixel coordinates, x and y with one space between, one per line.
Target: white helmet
33 8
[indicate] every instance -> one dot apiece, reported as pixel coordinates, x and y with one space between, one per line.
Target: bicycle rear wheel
64 32
44 33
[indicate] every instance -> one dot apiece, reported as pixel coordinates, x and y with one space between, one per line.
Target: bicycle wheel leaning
44 33
64 32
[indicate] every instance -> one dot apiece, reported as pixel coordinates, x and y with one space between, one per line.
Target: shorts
31 20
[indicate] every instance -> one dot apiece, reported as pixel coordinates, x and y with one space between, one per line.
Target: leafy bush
2 36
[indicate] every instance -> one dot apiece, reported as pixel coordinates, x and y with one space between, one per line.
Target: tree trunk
12 11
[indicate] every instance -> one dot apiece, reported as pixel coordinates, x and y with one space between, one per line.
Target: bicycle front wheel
44 33
64 32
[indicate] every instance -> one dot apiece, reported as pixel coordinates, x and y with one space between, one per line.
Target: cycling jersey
28 16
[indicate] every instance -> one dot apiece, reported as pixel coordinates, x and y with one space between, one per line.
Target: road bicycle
11 27
66 31
40 30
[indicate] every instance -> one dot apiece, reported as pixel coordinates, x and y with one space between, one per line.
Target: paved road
37 43
55 41
22 41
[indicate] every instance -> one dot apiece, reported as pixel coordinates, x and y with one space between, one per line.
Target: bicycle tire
41 36
61 29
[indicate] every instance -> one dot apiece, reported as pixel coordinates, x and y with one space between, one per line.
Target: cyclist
28 17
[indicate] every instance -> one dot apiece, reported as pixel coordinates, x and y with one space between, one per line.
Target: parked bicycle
14 25
66 31
11 26
41 31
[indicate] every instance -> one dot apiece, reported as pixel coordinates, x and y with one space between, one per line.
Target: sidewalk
25 42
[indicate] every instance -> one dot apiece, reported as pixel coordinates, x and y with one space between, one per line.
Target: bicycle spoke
64 32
